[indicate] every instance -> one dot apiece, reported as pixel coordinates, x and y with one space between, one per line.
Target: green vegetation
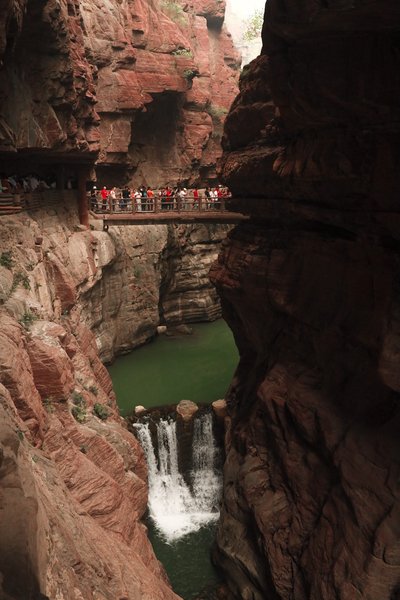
27 319
79 409
77 398
183 52
137 271
253 26
79 413
48 405
190 74
20 278
174 10
216 112
101 411
6 259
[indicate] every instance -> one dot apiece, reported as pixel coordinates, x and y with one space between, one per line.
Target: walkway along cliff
310 289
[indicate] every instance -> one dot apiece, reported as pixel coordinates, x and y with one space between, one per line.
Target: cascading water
176 507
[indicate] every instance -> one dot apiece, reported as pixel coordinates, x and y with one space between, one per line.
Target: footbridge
161 211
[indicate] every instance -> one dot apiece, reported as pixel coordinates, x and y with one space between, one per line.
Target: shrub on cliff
182 52
100 411
190 74
78 411
6 259
27 319
216 112
174 11
20 278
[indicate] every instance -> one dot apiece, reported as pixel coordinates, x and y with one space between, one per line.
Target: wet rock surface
309 287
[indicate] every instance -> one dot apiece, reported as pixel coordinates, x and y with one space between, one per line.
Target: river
182 515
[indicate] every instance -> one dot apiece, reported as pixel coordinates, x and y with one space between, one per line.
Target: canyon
309 287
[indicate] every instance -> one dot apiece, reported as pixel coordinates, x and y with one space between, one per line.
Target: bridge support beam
82 198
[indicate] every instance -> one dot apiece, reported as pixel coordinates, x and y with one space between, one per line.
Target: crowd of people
32 182
141 199
144 198
16 184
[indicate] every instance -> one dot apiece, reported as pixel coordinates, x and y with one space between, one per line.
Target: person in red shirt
104 196
150 196
195 198
170 200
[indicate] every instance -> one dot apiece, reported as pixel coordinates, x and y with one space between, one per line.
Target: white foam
175 507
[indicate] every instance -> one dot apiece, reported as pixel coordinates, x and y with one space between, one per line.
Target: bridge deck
165 217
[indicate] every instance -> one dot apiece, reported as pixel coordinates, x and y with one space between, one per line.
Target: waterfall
176 507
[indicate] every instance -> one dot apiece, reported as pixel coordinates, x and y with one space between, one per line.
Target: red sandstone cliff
73 485
310 288
147 84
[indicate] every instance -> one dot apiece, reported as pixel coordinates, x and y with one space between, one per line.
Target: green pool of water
196 367
187 561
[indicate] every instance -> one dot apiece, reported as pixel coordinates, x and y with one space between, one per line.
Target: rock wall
310 289
73 479
150 275
145 84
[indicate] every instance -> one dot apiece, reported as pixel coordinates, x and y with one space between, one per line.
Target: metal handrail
155 204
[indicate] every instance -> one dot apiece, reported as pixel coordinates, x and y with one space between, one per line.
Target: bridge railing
155 204
13 203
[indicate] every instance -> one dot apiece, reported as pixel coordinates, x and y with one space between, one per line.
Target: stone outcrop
47 85
150 275
145 85
309 287
72 479
73 486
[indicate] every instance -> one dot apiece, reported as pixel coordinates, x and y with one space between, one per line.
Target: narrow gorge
143 91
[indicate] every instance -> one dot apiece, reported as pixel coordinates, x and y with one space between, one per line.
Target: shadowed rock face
310 289
143 86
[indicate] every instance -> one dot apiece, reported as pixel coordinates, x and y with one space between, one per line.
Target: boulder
220 409
186 409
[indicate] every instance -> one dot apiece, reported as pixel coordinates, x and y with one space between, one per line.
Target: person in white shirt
138 200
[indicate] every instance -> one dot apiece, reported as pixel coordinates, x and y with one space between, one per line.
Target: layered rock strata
147 275
146 85
309 286
73 484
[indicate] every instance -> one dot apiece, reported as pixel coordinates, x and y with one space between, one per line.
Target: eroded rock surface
145 84
73 480
311 496
150 275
